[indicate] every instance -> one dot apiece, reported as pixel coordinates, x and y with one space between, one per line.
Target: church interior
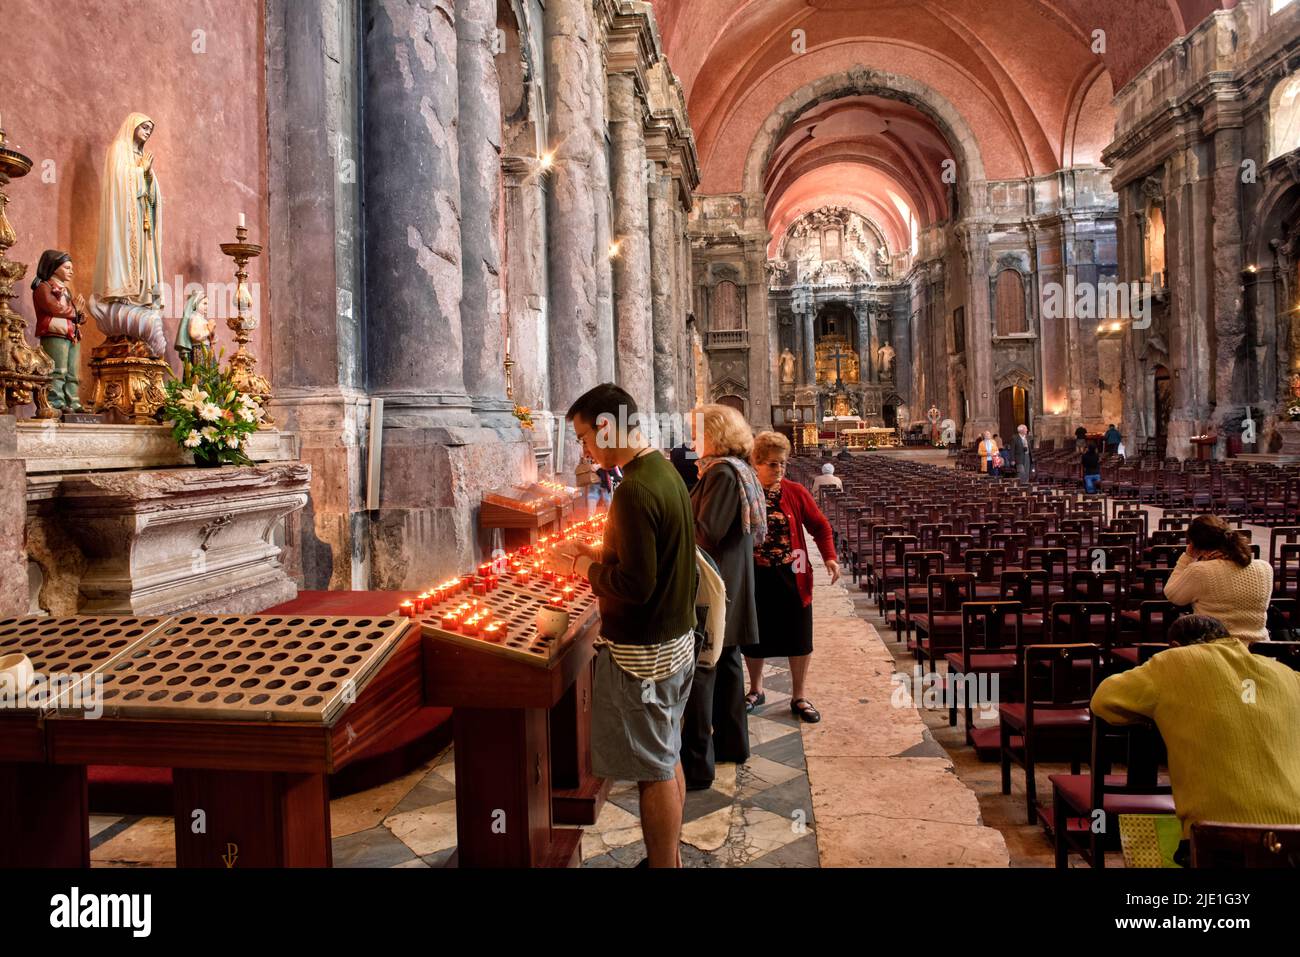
989 313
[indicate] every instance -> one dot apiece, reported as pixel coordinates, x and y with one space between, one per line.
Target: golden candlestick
243 365
510 384
24 371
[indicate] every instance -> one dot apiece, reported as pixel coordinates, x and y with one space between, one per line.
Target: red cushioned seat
1076 791
987 661
990 740
1014 715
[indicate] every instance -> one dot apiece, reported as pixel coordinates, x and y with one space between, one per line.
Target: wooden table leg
251 819
44 816
503 791
577 794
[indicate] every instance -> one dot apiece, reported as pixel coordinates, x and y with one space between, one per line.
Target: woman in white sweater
1219 577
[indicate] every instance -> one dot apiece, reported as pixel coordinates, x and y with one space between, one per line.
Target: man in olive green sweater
644 578
1230 721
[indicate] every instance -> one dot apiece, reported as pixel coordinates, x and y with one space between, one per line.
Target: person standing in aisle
644 577
730 518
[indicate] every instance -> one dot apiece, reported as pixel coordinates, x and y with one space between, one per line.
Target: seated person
827 478
1219 576
1230 721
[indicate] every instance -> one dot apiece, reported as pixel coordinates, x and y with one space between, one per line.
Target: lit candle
496 631
450 620
242 224
408 609
507 345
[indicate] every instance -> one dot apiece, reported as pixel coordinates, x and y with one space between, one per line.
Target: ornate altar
24 370
836 361
876 437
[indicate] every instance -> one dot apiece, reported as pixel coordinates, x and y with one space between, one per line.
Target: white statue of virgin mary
127 295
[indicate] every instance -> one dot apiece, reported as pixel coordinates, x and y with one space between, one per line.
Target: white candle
507 345
241 221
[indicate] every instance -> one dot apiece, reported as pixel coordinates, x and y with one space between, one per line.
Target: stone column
478 138
1229 316
661 290
979 332
1187 208
571 217
437 458
804 322
602 236
317 298
632 311
413 235
525 258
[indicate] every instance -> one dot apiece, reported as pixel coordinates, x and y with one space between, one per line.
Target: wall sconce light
547 160
614 248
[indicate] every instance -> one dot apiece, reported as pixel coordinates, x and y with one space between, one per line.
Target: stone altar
151 542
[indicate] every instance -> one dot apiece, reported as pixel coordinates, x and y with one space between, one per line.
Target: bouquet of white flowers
210 416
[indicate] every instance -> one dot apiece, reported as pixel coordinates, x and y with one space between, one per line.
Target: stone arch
859 81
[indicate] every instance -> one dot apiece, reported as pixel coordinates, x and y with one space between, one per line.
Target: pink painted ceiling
1021 74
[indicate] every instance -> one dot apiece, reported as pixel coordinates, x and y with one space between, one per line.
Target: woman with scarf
784 575
730 520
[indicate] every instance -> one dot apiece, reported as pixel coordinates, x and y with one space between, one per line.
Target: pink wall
73 78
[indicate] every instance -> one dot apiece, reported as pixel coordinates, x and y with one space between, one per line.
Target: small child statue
194 337
59 317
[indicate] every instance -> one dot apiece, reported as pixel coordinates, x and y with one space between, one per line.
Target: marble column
571 216
661 290
13 520
602 236
805 320
478 137
437 457
1229 313
525 259
979 331
632 312
1188 206
317 356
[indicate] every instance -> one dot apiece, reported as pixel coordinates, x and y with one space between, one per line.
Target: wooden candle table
252 713
43 810
522 718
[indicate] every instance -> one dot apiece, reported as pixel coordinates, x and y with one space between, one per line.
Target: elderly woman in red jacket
783 576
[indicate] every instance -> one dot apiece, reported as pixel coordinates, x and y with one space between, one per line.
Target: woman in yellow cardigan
1230 720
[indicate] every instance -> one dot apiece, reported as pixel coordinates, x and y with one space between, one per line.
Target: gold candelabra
243 365
510 383
24 371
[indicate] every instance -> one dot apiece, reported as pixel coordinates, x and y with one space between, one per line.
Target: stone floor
868 785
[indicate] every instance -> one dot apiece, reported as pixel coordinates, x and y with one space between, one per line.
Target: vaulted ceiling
1013 84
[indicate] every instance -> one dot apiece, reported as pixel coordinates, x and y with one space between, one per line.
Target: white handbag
710 594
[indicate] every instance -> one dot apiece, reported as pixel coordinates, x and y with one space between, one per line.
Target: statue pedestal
154 542
128 379
53 446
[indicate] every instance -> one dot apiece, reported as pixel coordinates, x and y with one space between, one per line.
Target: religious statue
60 314
933 416
787 367
195 335
127 296
886 354
882 260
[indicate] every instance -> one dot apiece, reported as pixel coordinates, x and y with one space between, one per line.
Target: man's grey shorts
636 726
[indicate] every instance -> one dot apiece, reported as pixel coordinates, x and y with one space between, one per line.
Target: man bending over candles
644 578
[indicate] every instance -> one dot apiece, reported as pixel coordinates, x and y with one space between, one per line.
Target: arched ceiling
1032 95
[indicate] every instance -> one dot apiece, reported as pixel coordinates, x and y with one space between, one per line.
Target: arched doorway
734 401
1013 411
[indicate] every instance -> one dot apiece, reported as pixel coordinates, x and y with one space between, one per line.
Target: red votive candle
496 631
481 587
451 621
408 609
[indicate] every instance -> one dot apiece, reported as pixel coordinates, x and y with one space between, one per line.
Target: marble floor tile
149 842
798 853
763 730
367 809
425 830
101 822
758 774
376 847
